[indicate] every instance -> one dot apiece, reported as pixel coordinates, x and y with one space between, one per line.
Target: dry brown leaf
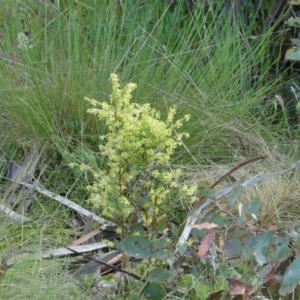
271 274
221 244
85 237
205 225
271 288
206 244
273 228
238 288
279 99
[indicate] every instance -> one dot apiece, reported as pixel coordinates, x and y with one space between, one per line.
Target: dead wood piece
13 215
87 228
74 249
94 265
196 212
84 238
23 171
68 203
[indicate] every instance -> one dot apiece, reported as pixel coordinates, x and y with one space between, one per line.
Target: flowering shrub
137 183
137 147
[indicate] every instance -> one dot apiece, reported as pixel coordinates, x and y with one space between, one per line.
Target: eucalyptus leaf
232 248
292 274
292 54
137 246
219 219
280 250
162 254
154 291
295 22
240 222
235 195
295 42
263 246
250 247
294 2
159 275
253 208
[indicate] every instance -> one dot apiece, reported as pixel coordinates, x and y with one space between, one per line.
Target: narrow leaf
235 195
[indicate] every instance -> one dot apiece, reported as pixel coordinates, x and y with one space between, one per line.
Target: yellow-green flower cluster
138 147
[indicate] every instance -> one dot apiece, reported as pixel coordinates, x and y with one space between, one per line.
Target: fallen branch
74 249
65 202
110 258
85 238
13 215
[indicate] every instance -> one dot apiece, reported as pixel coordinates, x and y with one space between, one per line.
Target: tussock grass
279 196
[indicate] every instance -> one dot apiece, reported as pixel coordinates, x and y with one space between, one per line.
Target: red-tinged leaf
217 295
238 288
206 244
205 225
272 273
271 288
273 228
251 289
221 244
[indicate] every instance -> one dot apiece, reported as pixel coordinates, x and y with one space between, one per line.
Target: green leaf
207 193
218 219
162 243
292 54
142 248
159 251
292 275
241 233
280 250
295 42
235 194
281 256
137 246
137 230
250 247
248 4
284 290
297 243
159 275
142 201
253 208
154 291
240 222
182 249
294 22
294 2
266 270
233 248
162 226
162 254
263 247
196 233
